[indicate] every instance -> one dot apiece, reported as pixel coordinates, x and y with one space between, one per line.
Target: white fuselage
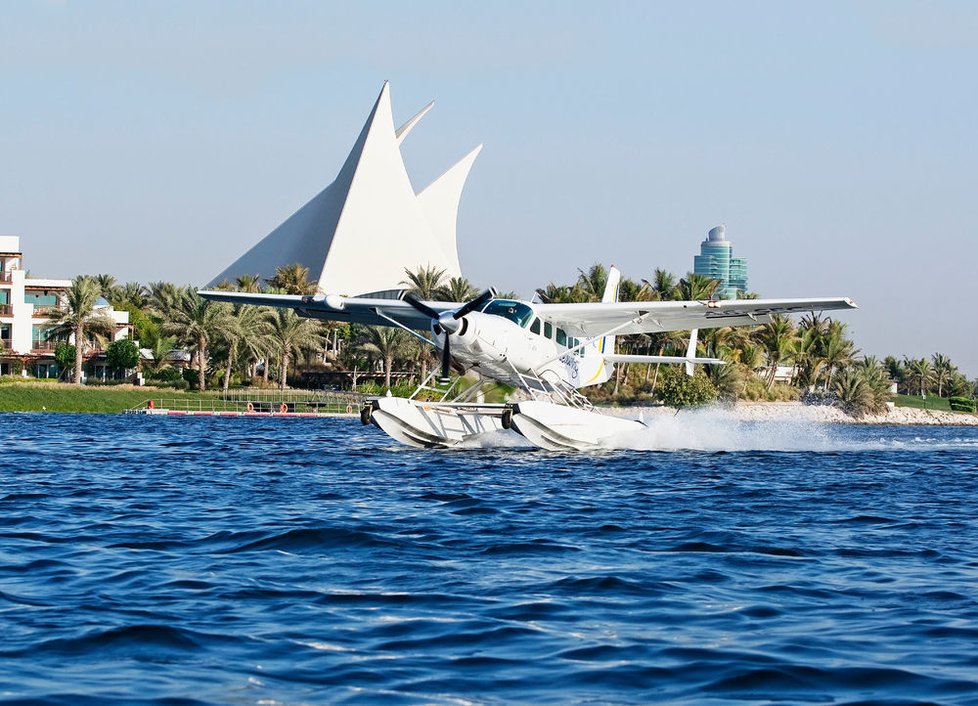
504 350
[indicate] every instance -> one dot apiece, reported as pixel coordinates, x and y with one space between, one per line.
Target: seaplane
363 231
549 352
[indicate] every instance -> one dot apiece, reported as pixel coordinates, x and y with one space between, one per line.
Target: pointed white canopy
359 234
439 201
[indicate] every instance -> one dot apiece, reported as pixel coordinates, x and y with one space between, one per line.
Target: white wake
716 429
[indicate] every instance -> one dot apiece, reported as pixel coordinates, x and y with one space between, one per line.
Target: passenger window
561 337
535 327
548 330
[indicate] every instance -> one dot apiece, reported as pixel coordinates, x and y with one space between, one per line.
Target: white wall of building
21 317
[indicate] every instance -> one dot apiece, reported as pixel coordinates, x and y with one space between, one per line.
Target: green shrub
167 374
122 355
680 390
64 355
962 404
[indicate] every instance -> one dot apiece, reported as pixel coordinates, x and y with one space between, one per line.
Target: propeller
449 321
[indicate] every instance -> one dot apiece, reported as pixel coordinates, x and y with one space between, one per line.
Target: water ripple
212 561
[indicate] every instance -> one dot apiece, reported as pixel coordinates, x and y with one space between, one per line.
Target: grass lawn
939 404
54 397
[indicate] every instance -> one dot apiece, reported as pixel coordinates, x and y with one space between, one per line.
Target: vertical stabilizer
595 369
610 295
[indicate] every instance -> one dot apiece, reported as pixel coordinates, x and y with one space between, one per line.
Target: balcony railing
44 312
6 310
91 349
6 277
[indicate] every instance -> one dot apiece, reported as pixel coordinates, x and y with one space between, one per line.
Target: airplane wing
594 319
359 310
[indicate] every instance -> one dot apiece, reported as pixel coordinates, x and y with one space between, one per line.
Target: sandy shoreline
797 412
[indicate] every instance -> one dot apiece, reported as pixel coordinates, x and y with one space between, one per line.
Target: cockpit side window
561 337
535 327
517 312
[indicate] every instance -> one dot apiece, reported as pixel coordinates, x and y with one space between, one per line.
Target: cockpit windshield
517 312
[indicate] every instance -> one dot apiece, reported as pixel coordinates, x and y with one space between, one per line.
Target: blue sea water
249 561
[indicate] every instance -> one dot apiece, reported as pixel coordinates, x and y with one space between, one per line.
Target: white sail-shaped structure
359 234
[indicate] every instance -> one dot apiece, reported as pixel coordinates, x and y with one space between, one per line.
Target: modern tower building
716 262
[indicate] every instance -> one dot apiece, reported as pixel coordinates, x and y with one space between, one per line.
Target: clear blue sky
836 140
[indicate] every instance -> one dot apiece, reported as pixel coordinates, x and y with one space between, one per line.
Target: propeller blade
446 360
420 306
474 304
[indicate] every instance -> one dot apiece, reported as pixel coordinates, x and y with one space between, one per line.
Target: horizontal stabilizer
678 359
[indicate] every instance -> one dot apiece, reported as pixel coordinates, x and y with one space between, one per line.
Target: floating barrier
289 404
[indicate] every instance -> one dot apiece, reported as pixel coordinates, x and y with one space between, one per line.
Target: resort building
716 261
28 313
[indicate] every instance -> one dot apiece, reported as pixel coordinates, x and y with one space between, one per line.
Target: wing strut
691 352
637 320
397 323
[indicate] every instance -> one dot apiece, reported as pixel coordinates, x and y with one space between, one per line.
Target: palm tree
293 279
106 286
246 336
696 287
944 370
424 282
726 378
876 377
458 289
556 294
290 333
919 373
752 359
631 291
387 344
813 330
894 369
663 284
249 283
838 351
160 348
852 392
195 322
778 338
591 284
163 298
79 314
131 293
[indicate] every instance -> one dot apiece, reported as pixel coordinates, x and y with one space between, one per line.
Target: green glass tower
716 261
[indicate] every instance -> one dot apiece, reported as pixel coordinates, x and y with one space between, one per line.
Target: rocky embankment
795 411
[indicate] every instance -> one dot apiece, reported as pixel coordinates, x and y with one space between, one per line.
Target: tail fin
610 295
